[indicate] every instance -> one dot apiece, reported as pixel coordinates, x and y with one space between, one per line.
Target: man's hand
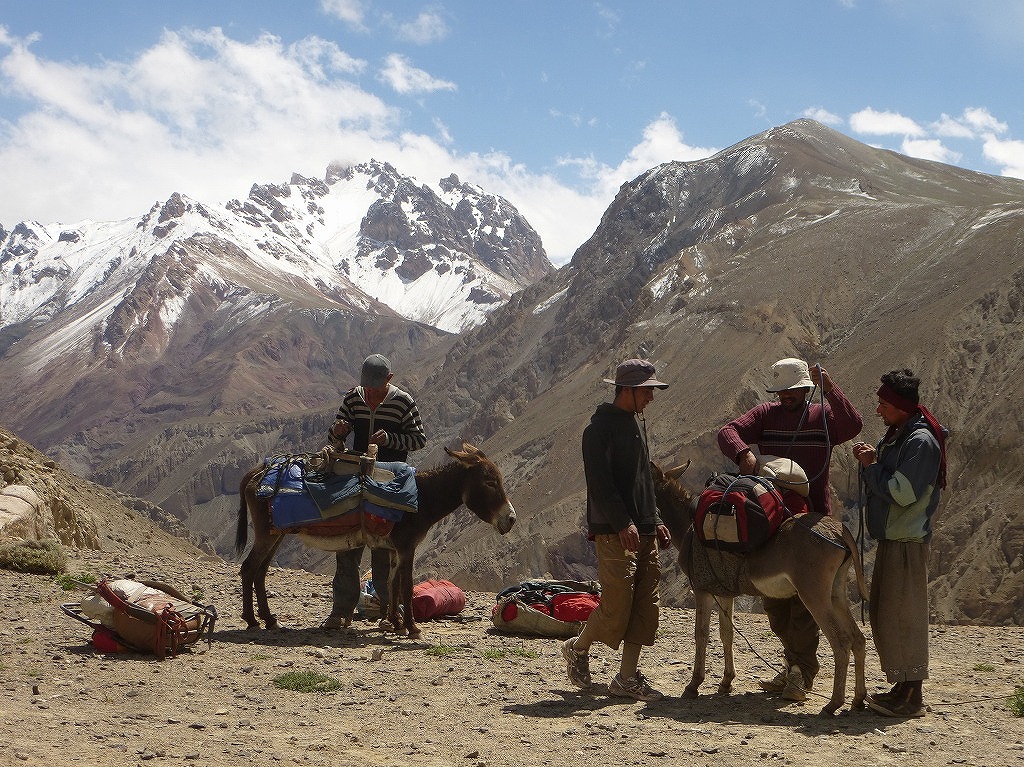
379 437
630 538
664 536
747 462
341 429
864 453
820 377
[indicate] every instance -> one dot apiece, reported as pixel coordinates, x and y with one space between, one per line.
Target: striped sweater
397 415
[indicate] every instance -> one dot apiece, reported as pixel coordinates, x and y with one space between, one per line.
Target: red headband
887 394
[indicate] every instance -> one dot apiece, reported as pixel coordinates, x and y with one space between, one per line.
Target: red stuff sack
738 513
432 599
574 607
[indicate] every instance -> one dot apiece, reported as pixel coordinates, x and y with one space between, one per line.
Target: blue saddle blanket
303 496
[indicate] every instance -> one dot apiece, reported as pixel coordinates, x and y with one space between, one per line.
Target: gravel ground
462 695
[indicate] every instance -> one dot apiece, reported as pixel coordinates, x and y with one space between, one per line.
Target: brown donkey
809 556
471 479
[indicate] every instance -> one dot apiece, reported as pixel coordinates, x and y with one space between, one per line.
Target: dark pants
793 624
347 583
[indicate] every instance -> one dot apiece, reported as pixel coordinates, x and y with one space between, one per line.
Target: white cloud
823 116
426 28
349 11
974 122
930 149
407 79
952 127
877 123
197 113
207 116
661 142
983 120
1007 153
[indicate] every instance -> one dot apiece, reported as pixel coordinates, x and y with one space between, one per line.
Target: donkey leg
836 631
725 633
248 614
841 606
405 592
260 583
701 632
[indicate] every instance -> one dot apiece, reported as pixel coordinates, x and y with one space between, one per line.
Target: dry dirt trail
463 695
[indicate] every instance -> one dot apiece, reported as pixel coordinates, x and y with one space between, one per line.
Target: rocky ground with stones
460 695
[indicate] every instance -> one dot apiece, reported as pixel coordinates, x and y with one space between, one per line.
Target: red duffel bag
432 599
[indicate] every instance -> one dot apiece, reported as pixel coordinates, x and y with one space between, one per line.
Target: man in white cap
623 522
795 428
375 412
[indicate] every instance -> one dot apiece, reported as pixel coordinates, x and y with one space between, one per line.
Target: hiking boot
796 685
897 693
635 687
777 683
908 709
336 622
577 664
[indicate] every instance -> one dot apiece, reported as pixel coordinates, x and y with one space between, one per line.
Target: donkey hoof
828 711
690 693
415 634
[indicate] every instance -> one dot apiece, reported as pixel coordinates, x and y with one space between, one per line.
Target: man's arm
737 436
601 490
844 421
342 426
409 435
916 472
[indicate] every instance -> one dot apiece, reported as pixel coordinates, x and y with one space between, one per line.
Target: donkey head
676 503
483 490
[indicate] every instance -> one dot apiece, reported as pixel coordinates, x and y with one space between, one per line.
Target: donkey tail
858 568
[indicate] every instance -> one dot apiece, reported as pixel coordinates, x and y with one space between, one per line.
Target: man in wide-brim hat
798 429
623 522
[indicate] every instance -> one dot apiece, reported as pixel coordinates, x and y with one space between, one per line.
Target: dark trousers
347 583
792 623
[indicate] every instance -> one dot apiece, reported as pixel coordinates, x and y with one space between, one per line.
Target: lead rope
861 526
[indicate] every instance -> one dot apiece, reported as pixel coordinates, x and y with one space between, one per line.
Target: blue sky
107 107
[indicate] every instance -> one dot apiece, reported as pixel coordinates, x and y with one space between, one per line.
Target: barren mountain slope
797 242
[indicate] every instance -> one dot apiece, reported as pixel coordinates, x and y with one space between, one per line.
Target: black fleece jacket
617 466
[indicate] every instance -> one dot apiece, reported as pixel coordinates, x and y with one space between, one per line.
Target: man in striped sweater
796 428
374 413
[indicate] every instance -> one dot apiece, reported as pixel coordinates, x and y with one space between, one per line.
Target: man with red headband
903 477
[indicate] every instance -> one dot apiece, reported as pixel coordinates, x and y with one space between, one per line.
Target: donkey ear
677 471
471 449
460 455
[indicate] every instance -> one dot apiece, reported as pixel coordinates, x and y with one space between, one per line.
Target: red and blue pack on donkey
325 496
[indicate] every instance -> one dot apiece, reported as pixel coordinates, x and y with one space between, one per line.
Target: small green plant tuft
443 651
71 582
984 667
39 557
493 654
306 681
1015 703
522 652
